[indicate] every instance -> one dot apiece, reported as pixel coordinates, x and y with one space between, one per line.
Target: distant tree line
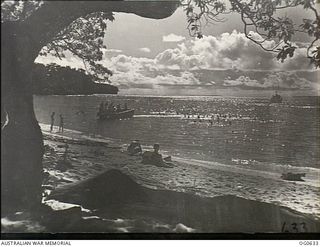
55 79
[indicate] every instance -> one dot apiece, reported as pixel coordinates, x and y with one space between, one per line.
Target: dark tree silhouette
58 80
27 29
30 28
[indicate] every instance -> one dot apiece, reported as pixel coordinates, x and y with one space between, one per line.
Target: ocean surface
251 134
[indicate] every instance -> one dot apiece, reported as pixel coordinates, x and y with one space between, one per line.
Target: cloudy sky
158 57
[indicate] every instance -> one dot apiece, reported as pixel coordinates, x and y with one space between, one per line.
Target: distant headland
53 79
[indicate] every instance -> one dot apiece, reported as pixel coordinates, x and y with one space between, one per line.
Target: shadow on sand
119 204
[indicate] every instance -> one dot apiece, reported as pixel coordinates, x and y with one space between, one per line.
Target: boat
293 176
276 98
124 114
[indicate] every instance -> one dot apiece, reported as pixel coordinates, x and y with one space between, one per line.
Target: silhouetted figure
154 158
52 121
61 123
134 148
125 106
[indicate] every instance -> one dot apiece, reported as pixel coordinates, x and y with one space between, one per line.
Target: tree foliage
84 39
262 23
275 33
18 10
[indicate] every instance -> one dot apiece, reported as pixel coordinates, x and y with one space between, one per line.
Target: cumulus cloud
124 63
242 81
145 73
229 50
68 60
136 79
287 80
145 49
184 78
173 38
226 61
283 80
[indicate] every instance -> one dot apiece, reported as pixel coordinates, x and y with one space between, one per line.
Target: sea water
250 131
251 139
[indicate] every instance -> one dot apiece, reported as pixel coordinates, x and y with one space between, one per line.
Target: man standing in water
52 121
61 123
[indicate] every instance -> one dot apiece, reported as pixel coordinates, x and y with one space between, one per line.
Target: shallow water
262 137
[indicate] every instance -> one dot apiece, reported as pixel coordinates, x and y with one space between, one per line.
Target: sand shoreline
192 176
186 198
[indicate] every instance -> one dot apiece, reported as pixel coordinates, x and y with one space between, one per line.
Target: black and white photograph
164 118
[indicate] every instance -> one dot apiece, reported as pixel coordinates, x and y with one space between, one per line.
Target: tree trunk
22 145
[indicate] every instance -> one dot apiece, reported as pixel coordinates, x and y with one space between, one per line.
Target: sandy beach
103 189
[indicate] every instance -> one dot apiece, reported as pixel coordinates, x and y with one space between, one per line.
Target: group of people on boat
149 157
110 107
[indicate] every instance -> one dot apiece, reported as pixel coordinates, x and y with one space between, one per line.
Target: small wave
158 116
304 107
225 167
312 178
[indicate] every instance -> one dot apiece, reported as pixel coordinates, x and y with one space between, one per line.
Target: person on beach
154 158
61 123
52 121
134 148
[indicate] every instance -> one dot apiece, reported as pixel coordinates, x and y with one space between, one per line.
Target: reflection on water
250 131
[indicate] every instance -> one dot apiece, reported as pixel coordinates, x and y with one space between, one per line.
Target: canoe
116 115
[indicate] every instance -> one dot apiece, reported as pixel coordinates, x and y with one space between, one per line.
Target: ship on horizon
276 98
